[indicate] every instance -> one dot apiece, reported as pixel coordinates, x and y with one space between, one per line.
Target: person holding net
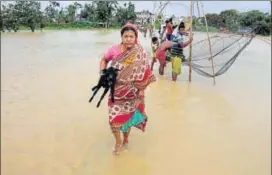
176 52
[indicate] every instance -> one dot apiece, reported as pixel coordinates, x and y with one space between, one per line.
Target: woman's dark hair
181 25
154 39
166 21
127 28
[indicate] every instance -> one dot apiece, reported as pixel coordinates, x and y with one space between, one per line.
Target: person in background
154 47
169 30
166 45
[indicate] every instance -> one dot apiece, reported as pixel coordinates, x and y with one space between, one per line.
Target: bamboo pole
190 49
210 49
161 8
198 9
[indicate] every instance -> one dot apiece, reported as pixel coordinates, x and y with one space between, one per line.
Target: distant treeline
94 14
232 20
111 14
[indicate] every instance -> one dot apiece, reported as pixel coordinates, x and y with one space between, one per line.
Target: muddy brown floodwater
49 128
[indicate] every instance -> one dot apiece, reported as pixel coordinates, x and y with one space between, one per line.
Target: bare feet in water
125 144
117 149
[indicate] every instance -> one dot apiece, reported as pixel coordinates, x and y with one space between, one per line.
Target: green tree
229 19
6 16
258 20
125 13
105 11
29 13
51 11
262 28
131 12
89 12
213 19
71 11
121 16
249 18
62 16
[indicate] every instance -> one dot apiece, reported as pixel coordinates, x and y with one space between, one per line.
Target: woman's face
129 38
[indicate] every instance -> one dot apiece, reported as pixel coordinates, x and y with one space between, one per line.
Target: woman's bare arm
103 64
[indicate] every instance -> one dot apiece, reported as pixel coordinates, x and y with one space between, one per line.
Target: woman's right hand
103 64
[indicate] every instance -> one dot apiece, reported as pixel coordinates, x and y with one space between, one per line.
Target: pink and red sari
134 75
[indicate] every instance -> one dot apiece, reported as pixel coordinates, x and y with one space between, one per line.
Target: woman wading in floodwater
134 76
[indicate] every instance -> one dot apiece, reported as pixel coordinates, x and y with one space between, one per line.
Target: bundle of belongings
107 81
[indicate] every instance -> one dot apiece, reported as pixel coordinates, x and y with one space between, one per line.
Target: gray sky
181 8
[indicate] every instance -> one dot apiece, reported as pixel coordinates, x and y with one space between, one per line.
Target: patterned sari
134 75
